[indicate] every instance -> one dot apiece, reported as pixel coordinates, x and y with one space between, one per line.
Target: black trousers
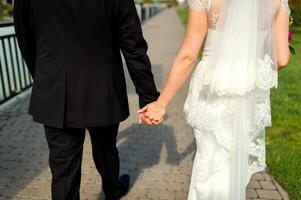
65 159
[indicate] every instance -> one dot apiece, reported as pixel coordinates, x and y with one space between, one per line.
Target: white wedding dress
228 109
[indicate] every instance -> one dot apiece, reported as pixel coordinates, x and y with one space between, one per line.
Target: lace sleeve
200 5
284 5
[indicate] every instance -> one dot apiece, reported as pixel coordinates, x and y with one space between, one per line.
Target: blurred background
283 139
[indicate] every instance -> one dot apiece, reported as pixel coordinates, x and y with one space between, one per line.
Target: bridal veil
229 95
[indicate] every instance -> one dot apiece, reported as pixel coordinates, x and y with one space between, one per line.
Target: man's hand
152 114
144 120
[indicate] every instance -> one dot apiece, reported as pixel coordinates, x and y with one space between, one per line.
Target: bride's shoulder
283 5
198 4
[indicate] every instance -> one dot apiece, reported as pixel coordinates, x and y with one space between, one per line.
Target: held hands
152 114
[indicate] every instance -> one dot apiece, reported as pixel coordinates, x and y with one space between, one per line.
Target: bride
228 103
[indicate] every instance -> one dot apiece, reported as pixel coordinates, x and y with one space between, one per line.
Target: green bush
295 6
5 10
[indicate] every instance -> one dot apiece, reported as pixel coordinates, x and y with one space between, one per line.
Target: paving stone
153 175
254 184
181 195
266 176
90 196
251 193
153 193
92 188
282 192
268 185
258 199
258 177
137 192
269 194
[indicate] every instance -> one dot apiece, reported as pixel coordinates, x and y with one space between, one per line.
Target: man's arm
134 49
24 33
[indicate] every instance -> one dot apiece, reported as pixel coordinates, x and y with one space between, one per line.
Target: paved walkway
158 159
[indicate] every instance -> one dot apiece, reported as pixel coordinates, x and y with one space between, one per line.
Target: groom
72 50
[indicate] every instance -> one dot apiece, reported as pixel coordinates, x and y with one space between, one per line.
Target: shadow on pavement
140 148
23 152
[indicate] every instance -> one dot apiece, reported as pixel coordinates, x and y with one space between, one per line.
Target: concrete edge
10 103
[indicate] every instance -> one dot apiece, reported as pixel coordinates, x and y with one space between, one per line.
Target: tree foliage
295 6
5 10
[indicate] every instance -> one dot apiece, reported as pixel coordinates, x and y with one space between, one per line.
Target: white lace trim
210 117
204 111
201 5
206 169
284 5
214 18
237 77
257 151
266 76
262 114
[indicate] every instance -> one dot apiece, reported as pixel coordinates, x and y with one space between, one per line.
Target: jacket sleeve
134 49
24 33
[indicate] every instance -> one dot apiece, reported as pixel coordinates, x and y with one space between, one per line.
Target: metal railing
146 11
14 76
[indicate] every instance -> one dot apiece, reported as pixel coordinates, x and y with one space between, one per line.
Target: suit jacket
72 49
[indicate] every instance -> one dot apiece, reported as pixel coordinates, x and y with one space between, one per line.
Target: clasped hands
152 114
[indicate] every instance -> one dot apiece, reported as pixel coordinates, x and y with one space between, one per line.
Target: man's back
72 48
71 31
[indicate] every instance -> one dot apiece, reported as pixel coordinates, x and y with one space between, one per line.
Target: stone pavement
159 160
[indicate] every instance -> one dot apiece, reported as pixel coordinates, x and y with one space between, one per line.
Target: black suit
72 50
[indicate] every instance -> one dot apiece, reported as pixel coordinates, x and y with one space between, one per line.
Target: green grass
183 15
284 137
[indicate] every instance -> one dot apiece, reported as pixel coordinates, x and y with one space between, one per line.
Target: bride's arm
281 38
183 64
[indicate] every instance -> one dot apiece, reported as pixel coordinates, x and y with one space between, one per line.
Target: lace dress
224 115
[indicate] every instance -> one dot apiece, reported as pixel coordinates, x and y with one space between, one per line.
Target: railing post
14 76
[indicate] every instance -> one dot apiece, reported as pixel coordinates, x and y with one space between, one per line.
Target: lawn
284 137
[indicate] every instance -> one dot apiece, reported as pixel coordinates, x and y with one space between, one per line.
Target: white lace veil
241 64
244 60
243 46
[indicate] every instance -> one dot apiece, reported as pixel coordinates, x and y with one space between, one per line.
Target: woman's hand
152 114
